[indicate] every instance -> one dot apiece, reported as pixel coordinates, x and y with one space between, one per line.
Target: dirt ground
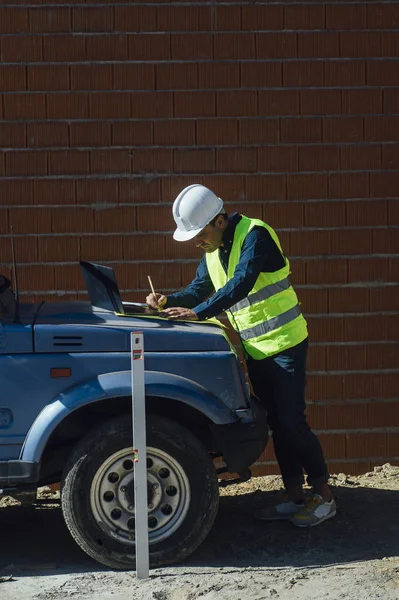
354 556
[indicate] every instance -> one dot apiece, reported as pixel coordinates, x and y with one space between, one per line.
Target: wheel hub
112 495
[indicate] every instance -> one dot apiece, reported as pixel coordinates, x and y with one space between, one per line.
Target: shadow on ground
366 528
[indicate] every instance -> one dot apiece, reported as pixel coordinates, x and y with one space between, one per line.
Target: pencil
153 291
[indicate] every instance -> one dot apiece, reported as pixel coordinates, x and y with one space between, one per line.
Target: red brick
68 162
306 187
16 191
348 185
231 160
174 133
132 133
167 276
190 46
135 18
384 299
107 47
25 248
147 247
325 214
194 161
184 18
303 73
319 158
392 443
226 18
324 387
110 161
72 220
383 16
12 135
384 184
261 74
25 163
45 135
13 78
369 213
175 251
14 20
390 157
386 241
392 325
64 48
275 159
254 210
172 186
326 271
304 130
353 43
343 129
298 274
68 277
266 187
360 158
366 444
345 73
393 212
381 128
361 101
238 103
216 132
281 215
341 16
134 77
118 219
132 191
90 134
310 243
152 160
262 17
194 104
56 249
380 72
304 16
109 105
234 46
367 270
278 102
229 187
127 276
368 385
317 44
149 46
326 329
91 77
50 20
98 192
351 241
252 131
150 218
175 76
348 416
54 191
92 19
382 356
314 301
101 247
30 220
319 102
383 414
276 45
48 77
36 278
342 358
67 106
21 48
152 104
218 75
390 43
391 100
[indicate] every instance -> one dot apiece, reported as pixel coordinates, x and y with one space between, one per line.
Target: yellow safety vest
269 319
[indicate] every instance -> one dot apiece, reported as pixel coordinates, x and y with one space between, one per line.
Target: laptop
103 291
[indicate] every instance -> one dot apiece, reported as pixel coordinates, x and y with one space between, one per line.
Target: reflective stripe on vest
271 324
263 294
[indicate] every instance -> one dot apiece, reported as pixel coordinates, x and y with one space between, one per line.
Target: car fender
112 385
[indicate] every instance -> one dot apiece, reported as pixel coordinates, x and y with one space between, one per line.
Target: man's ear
220 222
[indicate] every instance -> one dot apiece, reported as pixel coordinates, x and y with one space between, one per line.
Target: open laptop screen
102 286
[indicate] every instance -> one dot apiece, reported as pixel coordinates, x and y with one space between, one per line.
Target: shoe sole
329 516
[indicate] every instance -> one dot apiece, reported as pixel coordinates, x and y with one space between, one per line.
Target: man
245 266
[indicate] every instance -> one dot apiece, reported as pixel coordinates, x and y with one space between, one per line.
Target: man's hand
156 301
180 313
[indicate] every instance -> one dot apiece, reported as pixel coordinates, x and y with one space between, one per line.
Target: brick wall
288 110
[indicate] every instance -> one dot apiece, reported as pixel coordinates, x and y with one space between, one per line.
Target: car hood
79 327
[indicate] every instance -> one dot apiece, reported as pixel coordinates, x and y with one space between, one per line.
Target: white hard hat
193 208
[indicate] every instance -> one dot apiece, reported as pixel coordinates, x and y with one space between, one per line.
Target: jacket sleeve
198 290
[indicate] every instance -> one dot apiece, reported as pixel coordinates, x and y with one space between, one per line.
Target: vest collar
228 235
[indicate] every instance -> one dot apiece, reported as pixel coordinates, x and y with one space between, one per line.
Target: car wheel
97 495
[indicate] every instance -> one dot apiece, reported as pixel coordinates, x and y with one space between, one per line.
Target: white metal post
140 455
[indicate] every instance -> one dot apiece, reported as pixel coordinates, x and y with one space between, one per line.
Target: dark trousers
279 382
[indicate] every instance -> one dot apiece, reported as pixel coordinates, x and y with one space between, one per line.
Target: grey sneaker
280 512
314 512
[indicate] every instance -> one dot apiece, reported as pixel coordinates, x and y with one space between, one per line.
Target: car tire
97 492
